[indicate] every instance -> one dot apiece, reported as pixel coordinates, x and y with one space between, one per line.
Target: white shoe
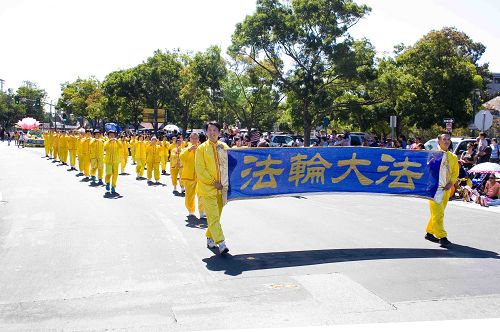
210 243
183 190
203 215
223 248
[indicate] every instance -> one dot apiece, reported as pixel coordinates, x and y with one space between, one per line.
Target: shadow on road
235 265
178 194
155 184
194 222
112 196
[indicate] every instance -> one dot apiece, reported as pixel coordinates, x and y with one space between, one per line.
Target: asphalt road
72 258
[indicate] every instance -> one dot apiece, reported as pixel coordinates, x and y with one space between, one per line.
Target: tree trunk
307 125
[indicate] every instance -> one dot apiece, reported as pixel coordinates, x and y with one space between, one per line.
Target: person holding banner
209 187
188 175
449 169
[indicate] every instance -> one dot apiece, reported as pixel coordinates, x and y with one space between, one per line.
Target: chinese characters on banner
266 172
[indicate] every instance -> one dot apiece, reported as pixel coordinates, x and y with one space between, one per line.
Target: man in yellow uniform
165 147
176 165
123 153
97 157
154 154
435 227
55 146
189 175
172 146
112 148
63 148
140 157
79 140
209 186
50 138
72 147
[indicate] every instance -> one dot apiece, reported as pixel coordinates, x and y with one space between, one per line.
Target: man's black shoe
431 238
444 242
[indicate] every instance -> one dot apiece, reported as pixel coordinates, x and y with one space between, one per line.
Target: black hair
213 123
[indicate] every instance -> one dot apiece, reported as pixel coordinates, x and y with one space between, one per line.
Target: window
496 80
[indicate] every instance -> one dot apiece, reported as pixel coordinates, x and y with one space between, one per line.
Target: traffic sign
483 120
392 121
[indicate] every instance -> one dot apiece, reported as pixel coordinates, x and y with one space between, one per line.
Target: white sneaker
203 215
223 248
210 243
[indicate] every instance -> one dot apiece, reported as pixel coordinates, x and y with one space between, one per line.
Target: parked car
357 138
459 144
280 140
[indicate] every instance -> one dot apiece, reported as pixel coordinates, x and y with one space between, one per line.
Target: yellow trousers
132 154
55 152
190 187
85 164
124 163
112 174
213 210
436 221
139 169
96 166
174 174
156 168
63 155
163 163
47 149
72 157
80 163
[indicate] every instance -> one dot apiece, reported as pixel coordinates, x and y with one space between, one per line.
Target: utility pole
1 84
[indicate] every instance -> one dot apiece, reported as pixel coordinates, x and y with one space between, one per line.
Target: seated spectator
468 157
491 190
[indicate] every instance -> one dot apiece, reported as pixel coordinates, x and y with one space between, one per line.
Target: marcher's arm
202 173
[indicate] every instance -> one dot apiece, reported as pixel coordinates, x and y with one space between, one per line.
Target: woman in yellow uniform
176 165
140 157
189 175
133 141
85 154
165 145
79 140
112 159
123 153
55 146
63 148
72 147
154 154
97 157
45 136
171 147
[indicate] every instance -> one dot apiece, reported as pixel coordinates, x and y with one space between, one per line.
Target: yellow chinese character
260 174
315 168
353 164
403 172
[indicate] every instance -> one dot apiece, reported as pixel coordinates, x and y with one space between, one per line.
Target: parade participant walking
123 153
63 148
85 153
55 146
165 147
188 175
153 158
209 187
132 143
435 227
112 159
72 147
46 143
79 140
140 157
176 165
97 157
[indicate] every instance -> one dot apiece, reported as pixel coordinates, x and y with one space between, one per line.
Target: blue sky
53 41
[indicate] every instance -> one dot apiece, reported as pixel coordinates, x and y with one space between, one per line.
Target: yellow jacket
140 150
154 153
207 167
96 148
63 142
165 146
55 141
112 148
124 149
85 146
187 159
175 160
454 167
72 142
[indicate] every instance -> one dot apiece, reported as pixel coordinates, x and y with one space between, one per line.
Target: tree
32 98
309 35
442 70
10 113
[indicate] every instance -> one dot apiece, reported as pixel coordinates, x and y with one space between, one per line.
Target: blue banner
266 172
